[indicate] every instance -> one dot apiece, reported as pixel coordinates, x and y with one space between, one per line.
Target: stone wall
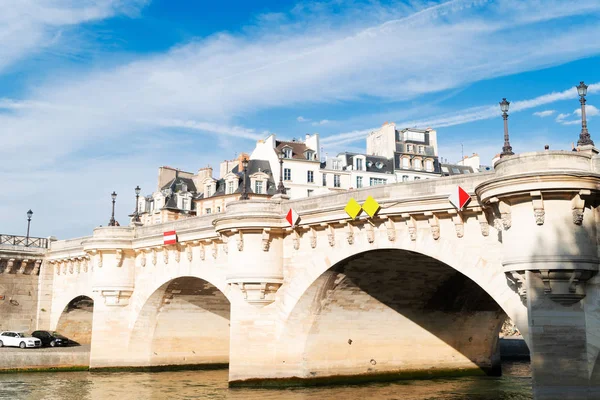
76 320
18 309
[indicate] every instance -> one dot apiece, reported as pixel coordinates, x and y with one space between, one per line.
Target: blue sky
95 95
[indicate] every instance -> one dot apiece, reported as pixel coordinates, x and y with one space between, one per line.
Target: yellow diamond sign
371 206
353 209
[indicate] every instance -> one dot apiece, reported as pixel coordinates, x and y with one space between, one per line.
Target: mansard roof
254 166
298 149
377 164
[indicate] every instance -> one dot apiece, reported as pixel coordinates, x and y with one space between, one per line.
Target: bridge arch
75 320
411 306
184 321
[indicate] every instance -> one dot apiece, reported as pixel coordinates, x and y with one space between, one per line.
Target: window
230 187
404 178
310 155
184 204
417 163
336 165
405 162
421 150
218 209
309 192
287 152
310 176
287 174
417 178
207 211
336 181
208 190
359 182
379 164
409 148
324 179
359 164
258 187
456 170
429 165
416 136
377 181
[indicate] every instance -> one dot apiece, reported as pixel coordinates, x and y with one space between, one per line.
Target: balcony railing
13 240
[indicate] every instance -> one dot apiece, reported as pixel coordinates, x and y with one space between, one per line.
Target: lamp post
136 216
281 186
244 195
29 215
112 218
507 148
584 136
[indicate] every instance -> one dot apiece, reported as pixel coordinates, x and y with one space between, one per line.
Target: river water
515 384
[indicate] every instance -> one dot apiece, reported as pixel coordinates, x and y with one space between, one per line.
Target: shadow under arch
394 313
75 321
185 321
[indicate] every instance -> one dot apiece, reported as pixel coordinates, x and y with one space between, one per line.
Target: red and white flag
170 237
292 217
459 198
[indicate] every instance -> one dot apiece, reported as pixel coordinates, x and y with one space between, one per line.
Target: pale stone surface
337 297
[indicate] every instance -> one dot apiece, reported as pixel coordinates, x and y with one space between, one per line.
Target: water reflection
515 384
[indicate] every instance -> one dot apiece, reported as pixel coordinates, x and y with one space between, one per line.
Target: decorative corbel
538 207
313 238
240 241
391 229
483 224
189 251
296 239
459 225
202 252
578 206
177 253
350 233
165 252
330 234
266 236
55 265
546 279
412 226
70 264
370 232
86 262
154 257
142 257
434 224
78 265
505 221
224 241
65 266
21 269
36 268
215 249
120 256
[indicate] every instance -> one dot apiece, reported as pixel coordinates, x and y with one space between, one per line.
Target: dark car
52 339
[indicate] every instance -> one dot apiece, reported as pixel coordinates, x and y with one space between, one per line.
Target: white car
16 339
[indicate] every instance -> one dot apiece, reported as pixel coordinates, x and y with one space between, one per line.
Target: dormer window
379 164
287 152
409 148
359 164
310 155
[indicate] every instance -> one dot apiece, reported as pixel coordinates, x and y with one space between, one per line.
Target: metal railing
25 241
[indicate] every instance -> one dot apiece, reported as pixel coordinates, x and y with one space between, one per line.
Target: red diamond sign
292 217
459 198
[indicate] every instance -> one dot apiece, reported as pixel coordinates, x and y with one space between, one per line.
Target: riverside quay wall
413 288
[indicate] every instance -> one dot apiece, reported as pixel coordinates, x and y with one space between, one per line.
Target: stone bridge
418 290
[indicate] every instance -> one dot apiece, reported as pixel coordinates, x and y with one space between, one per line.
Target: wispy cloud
302 119
468 115
543 114
321 122
567 118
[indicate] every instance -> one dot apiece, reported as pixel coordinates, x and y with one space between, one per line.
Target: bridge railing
14 240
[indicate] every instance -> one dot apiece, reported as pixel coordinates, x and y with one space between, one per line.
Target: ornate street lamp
136 216
506 149
244 195
281 186
112 218
29 215
584 136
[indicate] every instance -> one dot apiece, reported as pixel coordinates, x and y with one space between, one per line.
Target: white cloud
321 122
469 115
590 111
566 119
543 114
302 119
309 57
